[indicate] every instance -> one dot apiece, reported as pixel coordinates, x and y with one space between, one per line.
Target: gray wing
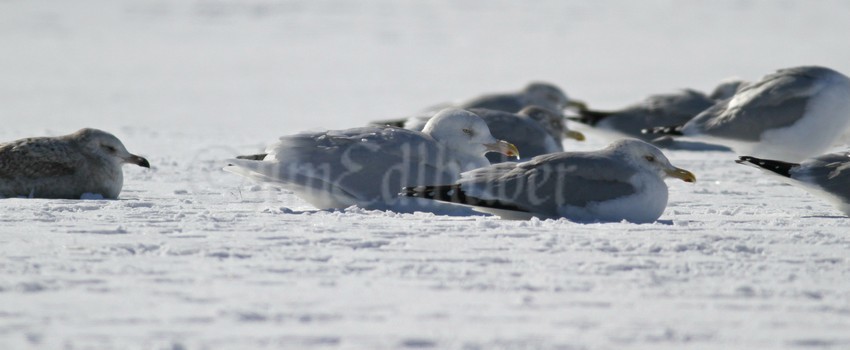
35 158
657 110
549 182
831 172
778 100
526 134
727 89
501 102
679 106
369 163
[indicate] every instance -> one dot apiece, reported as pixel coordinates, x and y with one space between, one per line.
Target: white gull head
467 136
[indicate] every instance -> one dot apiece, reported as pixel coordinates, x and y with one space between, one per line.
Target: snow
192 257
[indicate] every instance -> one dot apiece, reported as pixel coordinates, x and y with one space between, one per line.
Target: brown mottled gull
86 162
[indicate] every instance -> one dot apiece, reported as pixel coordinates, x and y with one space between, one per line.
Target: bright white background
194 257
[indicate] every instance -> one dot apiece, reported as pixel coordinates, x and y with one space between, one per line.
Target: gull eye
467 131
650 158
108 148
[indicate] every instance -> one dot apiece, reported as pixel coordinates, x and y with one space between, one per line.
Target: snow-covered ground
192 257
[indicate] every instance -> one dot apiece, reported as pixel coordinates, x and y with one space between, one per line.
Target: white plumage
368 166
792 114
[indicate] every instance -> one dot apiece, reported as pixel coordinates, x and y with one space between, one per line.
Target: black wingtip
455 194
776 166
675 130
260 156
745 159
589 117
446 193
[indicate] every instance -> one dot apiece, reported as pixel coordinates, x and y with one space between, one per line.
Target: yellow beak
575 135
682 174
503 147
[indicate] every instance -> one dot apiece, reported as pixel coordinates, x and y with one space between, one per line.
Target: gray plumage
86 162
827 176
727 89
656 110
584 178
340 161
621 182
779 100
541 94
534 130
791 114
367 166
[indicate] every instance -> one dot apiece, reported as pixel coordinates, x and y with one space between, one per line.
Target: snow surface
192 257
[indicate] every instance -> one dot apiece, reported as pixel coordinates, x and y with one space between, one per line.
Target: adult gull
367 166
534 130
675 108
539 94
792 114
826 176
624 181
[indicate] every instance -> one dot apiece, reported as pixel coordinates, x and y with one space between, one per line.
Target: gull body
826 176
792 114
534 130
624 181
88 161
675 108
367 166
540 94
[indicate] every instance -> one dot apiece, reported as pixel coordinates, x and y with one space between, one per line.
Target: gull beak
503 147
682 174
575 135
142 162
577 105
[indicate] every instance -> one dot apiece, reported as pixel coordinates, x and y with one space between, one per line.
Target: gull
792 114
826 176
624 181
660 109
87 162
366 166
541 94
534 130
675 108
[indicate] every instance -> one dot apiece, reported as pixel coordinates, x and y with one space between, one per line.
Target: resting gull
675 108
534 130
367 166
87 162
539 94
792 114
624 181
661 109
727 88
827 176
